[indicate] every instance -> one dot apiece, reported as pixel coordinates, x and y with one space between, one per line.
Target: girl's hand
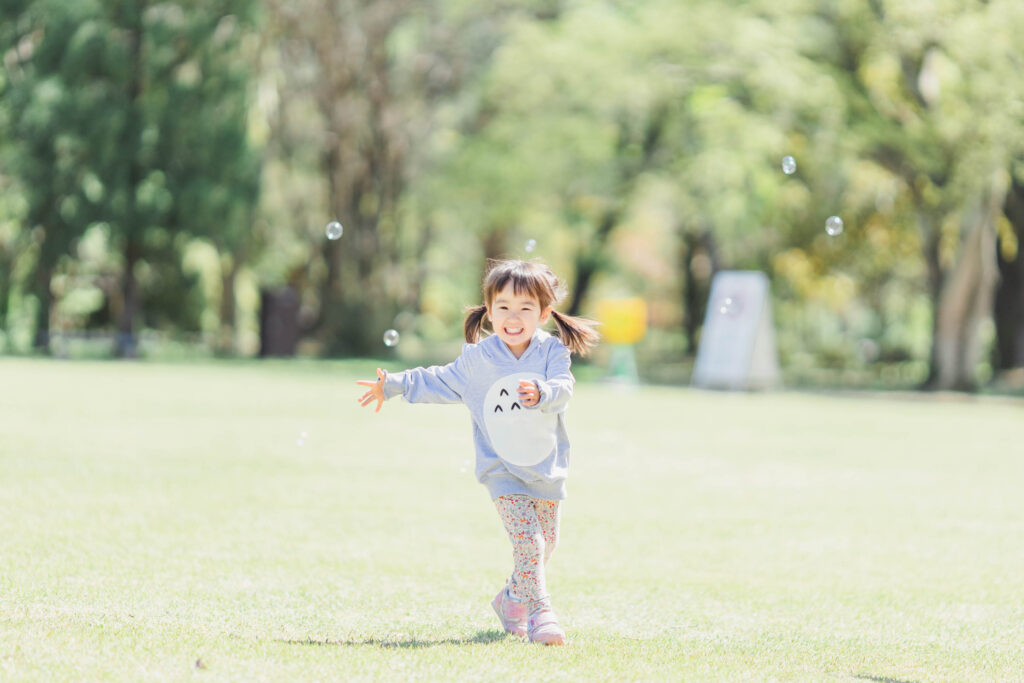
375 392
529 394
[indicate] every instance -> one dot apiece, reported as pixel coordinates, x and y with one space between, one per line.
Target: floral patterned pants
532 526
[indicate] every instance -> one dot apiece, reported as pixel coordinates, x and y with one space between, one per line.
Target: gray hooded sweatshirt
519 449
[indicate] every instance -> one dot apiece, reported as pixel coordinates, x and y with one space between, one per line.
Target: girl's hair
535 280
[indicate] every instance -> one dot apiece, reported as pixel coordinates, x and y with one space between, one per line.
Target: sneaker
511 612
544 628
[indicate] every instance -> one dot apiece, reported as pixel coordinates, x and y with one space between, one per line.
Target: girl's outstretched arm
436 384
375 392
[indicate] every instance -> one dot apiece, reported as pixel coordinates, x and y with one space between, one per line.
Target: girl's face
514 318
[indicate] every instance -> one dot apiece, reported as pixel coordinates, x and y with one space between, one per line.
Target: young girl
516 383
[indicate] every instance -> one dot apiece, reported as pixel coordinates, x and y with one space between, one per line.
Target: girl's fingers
528 389
529 397
375 392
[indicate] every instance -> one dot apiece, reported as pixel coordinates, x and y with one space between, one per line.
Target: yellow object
623 321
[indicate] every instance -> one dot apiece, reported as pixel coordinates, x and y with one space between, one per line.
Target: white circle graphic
521 436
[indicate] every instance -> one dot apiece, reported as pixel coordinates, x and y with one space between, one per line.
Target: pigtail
474 324
578 334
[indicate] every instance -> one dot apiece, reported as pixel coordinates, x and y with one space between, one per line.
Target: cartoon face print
521 436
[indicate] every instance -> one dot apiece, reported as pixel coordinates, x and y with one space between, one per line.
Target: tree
595 114
932 101
1009 297
213 169
112 104
51 128
571 124
360 89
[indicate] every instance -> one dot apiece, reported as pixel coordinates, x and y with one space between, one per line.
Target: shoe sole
549 640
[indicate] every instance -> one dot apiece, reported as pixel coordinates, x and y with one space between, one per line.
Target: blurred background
168 170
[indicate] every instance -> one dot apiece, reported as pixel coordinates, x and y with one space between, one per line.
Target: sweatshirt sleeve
556 388
436 384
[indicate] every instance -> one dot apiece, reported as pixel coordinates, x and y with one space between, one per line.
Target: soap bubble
788 165
834 225
391 338
531 244
334 230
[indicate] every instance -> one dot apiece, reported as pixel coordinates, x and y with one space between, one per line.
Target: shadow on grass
880 679
482 637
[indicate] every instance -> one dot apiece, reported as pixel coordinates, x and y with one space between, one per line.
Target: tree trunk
1009 299
495 244
41 339
966 297
43 270
6 268
414 299
331 161
126 346
699 262
589 260
930 237
365 168
228 307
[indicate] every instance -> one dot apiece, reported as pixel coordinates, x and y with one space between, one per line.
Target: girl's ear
545 314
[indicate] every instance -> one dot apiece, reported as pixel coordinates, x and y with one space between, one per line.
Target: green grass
160 522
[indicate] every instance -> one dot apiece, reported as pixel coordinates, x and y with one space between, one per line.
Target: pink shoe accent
511 612
544 628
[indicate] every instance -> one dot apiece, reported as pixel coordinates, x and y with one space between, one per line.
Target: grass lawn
163 522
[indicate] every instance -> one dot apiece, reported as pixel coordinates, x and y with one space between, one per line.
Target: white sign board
737 342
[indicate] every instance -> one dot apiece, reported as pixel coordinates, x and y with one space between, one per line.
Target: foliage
128 115
638 144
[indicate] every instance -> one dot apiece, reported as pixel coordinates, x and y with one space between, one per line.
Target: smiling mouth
513 331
